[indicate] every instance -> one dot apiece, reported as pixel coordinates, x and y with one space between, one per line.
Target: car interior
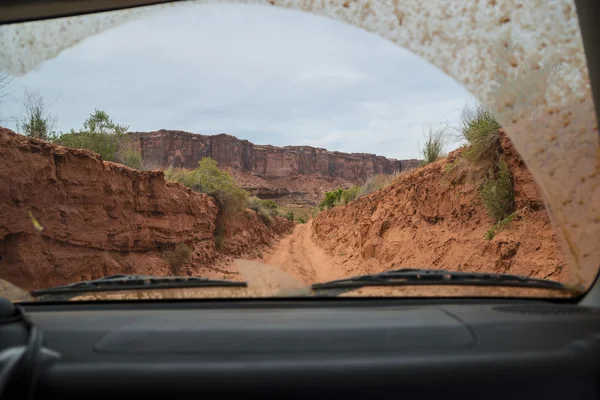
289 347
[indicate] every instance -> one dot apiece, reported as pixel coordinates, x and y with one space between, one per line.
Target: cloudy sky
269 75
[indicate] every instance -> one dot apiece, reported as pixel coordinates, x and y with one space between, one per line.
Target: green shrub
330 199
101 143
271 207
290 216
101 135
497 194
178 257
481 131
257 205
269 204
208 178
434 146
350 194
301 220
339 197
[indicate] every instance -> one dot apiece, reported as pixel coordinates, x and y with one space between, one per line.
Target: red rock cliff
432 218
99 218
164 148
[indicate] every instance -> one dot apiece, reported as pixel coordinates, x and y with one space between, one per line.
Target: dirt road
298 255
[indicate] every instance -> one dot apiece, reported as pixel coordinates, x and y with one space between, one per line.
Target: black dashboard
321 349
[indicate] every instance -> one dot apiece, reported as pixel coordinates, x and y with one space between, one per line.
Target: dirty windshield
299 148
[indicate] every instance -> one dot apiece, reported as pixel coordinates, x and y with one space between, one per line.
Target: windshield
294 143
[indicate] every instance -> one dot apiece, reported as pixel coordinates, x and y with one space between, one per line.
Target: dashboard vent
545 309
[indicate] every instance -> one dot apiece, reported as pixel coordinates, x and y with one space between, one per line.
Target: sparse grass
435 145
177 258
497 194
490 233
481 131
375 183
448 168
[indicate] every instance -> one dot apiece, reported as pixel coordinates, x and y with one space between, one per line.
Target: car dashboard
321 349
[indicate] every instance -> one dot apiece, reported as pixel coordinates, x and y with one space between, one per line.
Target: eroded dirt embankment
99 218
430 218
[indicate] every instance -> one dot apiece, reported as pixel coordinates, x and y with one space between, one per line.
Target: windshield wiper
134 282
410 276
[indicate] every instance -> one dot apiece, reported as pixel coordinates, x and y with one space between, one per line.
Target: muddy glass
297 148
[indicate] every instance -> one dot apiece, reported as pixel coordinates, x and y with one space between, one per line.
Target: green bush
331 198
271 207
497 194
103 144
208 178
101 135
434 146
269 204
301 220
178 257
290 216
258 205
481 131
350 194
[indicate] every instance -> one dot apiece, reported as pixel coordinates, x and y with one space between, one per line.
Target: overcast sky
269 75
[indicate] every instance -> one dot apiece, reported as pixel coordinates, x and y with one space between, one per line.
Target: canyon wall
178 149
66 216
433 217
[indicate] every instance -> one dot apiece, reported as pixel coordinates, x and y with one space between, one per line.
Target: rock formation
432 218
179 149
66 216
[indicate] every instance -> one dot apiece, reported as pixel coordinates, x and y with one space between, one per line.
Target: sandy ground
298 255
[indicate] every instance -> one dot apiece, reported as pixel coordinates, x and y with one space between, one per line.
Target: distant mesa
178 149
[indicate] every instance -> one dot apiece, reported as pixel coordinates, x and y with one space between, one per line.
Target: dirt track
298 255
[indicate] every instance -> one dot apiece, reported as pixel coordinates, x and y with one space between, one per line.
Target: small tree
105 137
100 122
35 120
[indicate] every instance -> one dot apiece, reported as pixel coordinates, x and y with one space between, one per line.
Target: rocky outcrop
66 216
179 149
433 218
